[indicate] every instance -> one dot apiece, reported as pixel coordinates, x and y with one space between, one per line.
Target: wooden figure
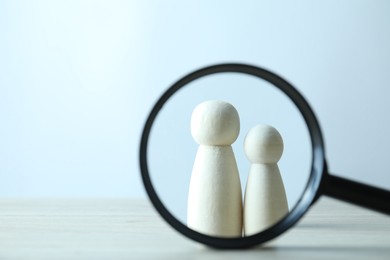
265 200
215 199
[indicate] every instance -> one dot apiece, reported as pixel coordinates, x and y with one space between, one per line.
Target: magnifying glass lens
229 155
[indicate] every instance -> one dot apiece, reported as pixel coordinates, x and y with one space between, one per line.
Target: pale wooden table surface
131 229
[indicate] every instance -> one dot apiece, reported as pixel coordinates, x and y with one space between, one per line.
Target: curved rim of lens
318 158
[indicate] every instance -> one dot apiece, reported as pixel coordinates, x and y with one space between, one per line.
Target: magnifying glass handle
357 193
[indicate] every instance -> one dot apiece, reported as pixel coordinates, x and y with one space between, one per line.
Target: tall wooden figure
215 199
265 200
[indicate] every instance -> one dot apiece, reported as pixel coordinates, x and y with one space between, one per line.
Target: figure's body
265 200
214 199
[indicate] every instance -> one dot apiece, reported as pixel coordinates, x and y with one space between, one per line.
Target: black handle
357 193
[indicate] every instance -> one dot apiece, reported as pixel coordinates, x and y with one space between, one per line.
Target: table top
131 229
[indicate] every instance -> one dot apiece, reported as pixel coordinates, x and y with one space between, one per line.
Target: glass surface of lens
231 155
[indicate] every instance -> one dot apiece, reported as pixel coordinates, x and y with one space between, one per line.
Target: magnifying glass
168 151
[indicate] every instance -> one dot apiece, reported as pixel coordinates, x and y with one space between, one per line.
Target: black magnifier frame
320 181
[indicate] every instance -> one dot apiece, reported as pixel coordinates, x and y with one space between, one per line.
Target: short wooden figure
265 200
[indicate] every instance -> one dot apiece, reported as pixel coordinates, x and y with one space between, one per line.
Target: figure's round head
263 144
215 122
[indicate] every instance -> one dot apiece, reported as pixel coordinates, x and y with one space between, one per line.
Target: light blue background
78 78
